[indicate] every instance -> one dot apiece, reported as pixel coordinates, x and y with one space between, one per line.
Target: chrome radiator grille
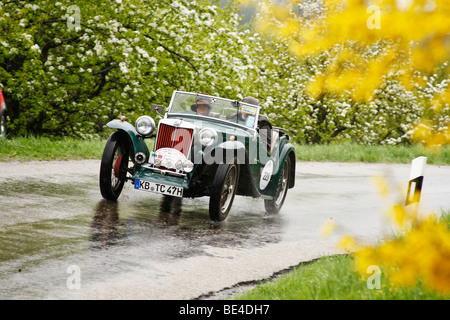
174 137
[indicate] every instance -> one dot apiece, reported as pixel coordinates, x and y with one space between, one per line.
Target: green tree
69 67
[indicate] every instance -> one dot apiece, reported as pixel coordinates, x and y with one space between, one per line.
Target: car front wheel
114 166
223 190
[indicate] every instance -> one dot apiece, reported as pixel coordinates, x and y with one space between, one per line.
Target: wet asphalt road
60 240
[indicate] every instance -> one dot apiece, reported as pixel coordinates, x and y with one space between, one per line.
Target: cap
251 100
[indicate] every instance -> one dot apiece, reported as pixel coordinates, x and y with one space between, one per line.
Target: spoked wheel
223 191
274 205
114 166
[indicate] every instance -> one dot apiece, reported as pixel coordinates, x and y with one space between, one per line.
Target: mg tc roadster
204 146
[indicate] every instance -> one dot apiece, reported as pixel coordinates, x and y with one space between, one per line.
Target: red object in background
2 116
2 103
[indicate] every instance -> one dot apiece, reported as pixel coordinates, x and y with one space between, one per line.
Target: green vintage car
204 146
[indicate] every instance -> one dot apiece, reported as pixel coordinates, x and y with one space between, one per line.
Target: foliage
61 78
68 69
418 253
421 254
374 69
373 39
333 278
282 84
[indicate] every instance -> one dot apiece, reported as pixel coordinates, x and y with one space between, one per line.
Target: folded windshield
214 107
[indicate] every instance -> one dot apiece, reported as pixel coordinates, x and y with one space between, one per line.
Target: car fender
225 152
286 151
135 139
231 145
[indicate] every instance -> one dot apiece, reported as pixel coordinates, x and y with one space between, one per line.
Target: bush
66 70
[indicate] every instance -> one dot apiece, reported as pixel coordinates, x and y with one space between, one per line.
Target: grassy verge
33 148
68 148
348 152
335 278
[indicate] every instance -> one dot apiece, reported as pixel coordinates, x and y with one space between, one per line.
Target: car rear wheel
223 190
274 205
114 166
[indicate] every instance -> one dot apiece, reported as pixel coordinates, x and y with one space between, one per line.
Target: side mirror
157 108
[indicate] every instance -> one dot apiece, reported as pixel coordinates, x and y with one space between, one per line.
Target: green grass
34 148
348 152
334 278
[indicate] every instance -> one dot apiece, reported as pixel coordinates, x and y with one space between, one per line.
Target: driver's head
202 106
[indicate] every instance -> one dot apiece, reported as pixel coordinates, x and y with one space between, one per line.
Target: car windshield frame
223 110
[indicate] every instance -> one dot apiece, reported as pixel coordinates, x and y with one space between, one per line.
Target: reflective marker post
415 180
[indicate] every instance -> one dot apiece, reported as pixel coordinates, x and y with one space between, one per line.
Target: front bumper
149 173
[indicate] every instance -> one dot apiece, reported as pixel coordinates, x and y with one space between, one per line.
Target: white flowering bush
67 68
282 87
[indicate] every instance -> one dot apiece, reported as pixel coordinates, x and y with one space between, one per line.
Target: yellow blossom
422 253
417 32
425 133
347 243
382 185
327 229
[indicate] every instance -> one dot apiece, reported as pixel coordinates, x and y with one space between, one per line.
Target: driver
202 106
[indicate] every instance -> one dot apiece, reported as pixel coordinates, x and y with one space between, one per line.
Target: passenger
264 125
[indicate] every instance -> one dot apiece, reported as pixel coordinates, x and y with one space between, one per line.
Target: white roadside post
415 180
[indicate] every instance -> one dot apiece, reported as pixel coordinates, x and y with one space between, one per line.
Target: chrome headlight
145 125
207 136
188 166
179 165
140 158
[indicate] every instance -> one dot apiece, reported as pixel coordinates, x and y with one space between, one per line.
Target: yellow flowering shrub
375 38
421 253
368 42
